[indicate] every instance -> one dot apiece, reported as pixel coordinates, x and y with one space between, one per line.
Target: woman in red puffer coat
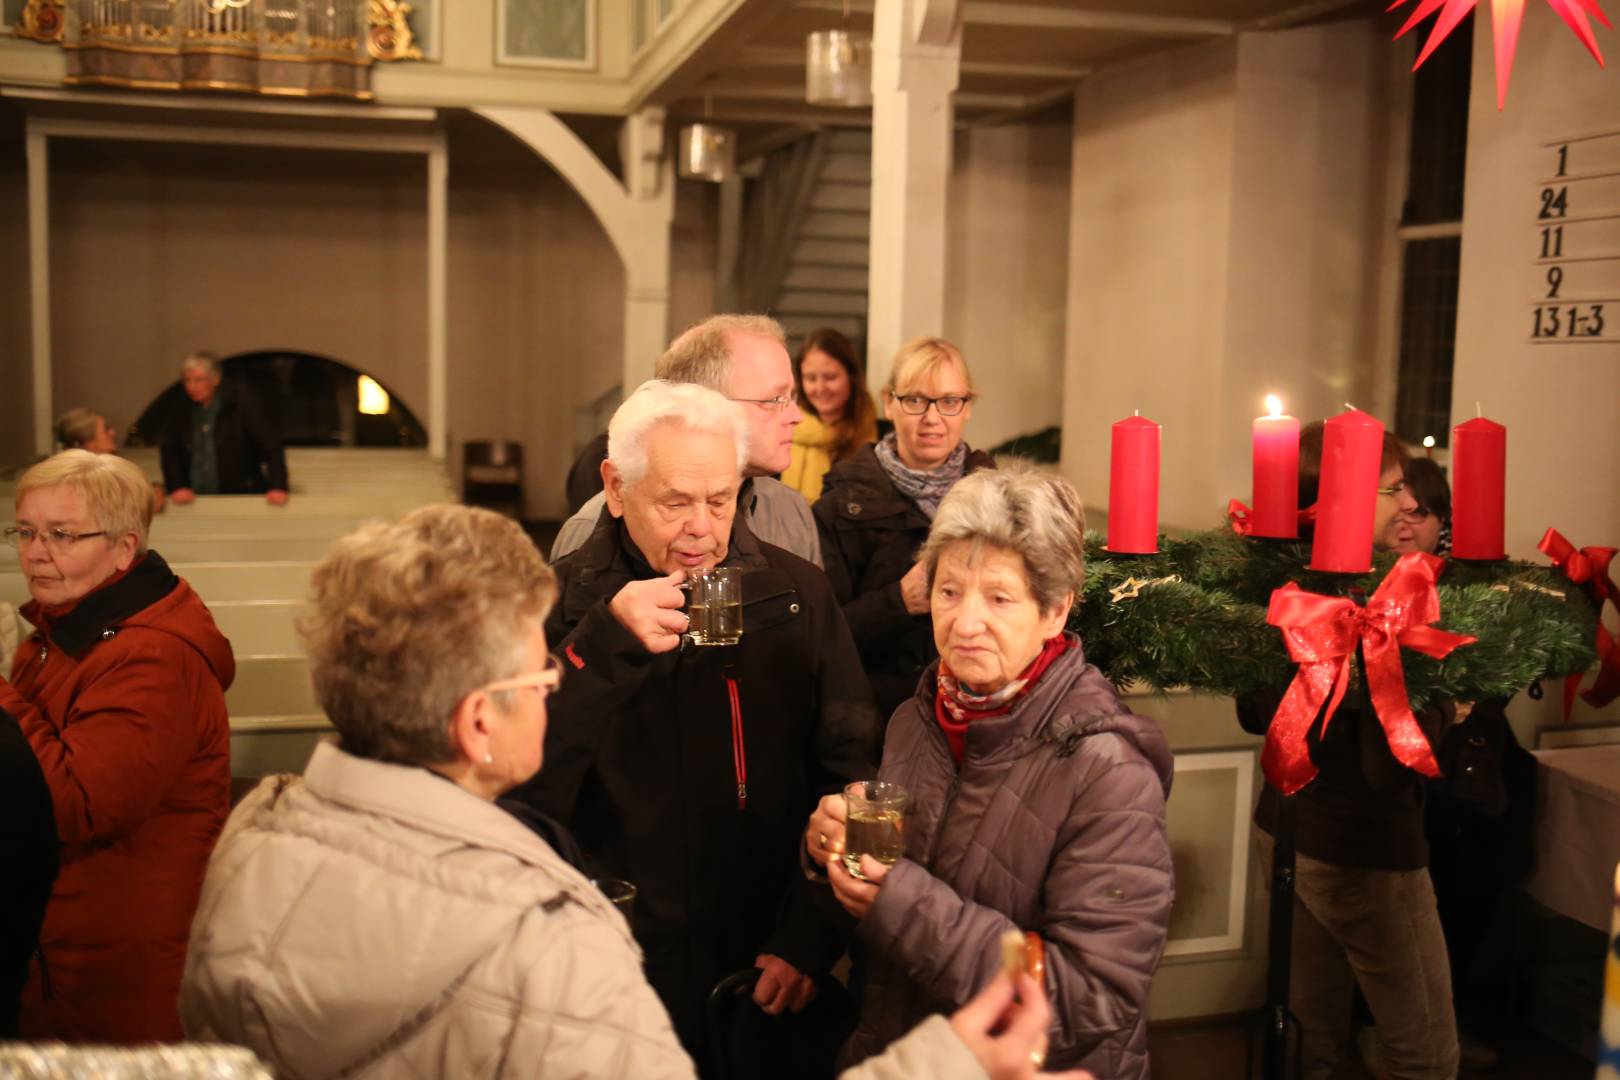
120 691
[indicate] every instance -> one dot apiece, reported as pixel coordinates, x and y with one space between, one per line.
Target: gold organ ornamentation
293 48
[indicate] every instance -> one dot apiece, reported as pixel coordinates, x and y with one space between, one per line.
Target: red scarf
955 706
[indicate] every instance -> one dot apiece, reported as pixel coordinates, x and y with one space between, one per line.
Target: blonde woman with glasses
875 509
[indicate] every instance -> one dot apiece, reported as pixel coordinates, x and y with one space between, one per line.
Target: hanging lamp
838 67
705 151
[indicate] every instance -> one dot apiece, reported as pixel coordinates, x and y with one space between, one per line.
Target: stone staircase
251 563
824 278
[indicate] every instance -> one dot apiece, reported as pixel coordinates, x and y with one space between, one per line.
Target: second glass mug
714 606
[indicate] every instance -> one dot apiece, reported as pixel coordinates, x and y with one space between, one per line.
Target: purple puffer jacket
1054 823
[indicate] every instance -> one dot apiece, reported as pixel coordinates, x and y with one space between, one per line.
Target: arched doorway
313 401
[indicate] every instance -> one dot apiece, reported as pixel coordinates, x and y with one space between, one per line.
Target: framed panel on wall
546 33
427 27
647 18
1208 813
9 11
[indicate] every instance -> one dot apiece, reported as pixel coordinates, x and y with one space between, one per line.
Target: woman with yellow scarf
839 417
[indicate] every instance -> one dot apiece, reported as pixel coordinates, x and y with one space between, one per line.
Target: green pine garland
1196 617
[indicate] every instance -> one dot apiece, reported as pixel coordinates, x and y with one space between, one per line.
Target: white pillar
649 182
916 61
728 243
39 284
438 166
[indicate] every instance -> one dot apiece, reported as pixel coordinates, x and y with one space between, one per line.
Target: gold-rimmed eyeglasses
774 404
1394 490
56 541
545 680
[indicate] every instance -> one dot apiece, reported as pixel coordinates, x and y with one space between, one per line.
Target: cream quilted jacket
373 920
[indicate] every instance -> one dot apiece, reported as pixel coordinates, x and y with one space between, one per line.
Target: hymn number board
1577 223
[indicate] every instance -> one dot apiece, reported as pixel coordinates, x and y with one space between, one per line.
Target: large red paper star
1505 18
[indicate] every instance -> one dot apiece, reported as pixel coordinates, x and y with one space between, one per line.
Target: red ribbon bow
1242 518
1589 566
1322 632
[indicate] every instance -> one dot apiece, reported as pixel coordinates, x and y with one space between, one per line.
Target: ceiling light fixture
838 67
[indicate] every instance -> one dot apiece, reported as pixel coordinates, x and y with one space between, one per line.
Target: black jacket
585 475
29 853
251 460
1364 808
870 534
643 760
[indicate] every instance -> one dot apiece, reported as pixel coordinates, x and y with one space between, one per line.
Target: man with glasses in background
743 357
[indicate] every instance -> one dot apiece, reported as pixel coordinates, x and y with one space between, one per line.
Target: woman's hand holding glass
857 896
824 836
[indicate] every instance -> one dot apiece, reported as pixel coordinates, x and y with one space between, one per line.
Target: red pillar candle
1133 488
1276 473
1478 487
1352 446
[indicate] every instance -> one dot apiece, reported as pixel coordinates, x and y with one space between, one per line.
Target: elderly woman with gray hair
1037 797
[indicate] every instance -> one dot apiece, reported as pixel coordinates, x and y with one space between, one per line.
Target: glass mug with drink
714 605
874 823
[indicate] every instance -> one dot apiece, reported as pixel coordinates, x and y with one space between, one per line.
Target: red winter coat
122 698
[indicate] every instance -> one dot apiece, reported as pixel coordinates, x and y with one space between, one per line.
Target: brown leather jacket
1053 823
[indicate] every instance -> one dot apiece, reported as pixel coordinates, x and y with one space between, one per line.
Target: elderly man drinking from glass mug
688 770
1037 797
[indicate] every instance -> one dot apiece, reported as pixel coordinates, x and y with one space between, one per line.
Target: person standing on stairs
225 446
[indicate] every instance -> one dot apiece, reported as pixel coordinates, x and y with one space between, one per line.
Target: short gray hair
202 360
702 353
1036 515
407 618
657 402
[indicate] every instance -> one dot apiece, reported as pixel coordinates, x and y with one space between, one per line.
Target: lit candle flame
1274 405
1428 441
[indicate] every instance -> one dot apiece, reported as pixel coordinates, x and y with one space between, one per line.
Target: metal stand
1280 949
1277 1063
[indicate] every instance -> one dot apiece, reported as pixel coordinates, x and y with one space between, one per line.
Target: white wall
157 250
1560 403
1228 216
1227 228
1007 273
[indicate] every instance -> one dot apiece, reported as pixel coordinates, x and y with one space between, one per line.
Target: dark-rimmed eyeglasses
56 541
917 404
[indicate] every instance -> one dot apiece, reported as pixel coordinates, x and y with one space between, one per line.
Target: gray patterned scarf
925 487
